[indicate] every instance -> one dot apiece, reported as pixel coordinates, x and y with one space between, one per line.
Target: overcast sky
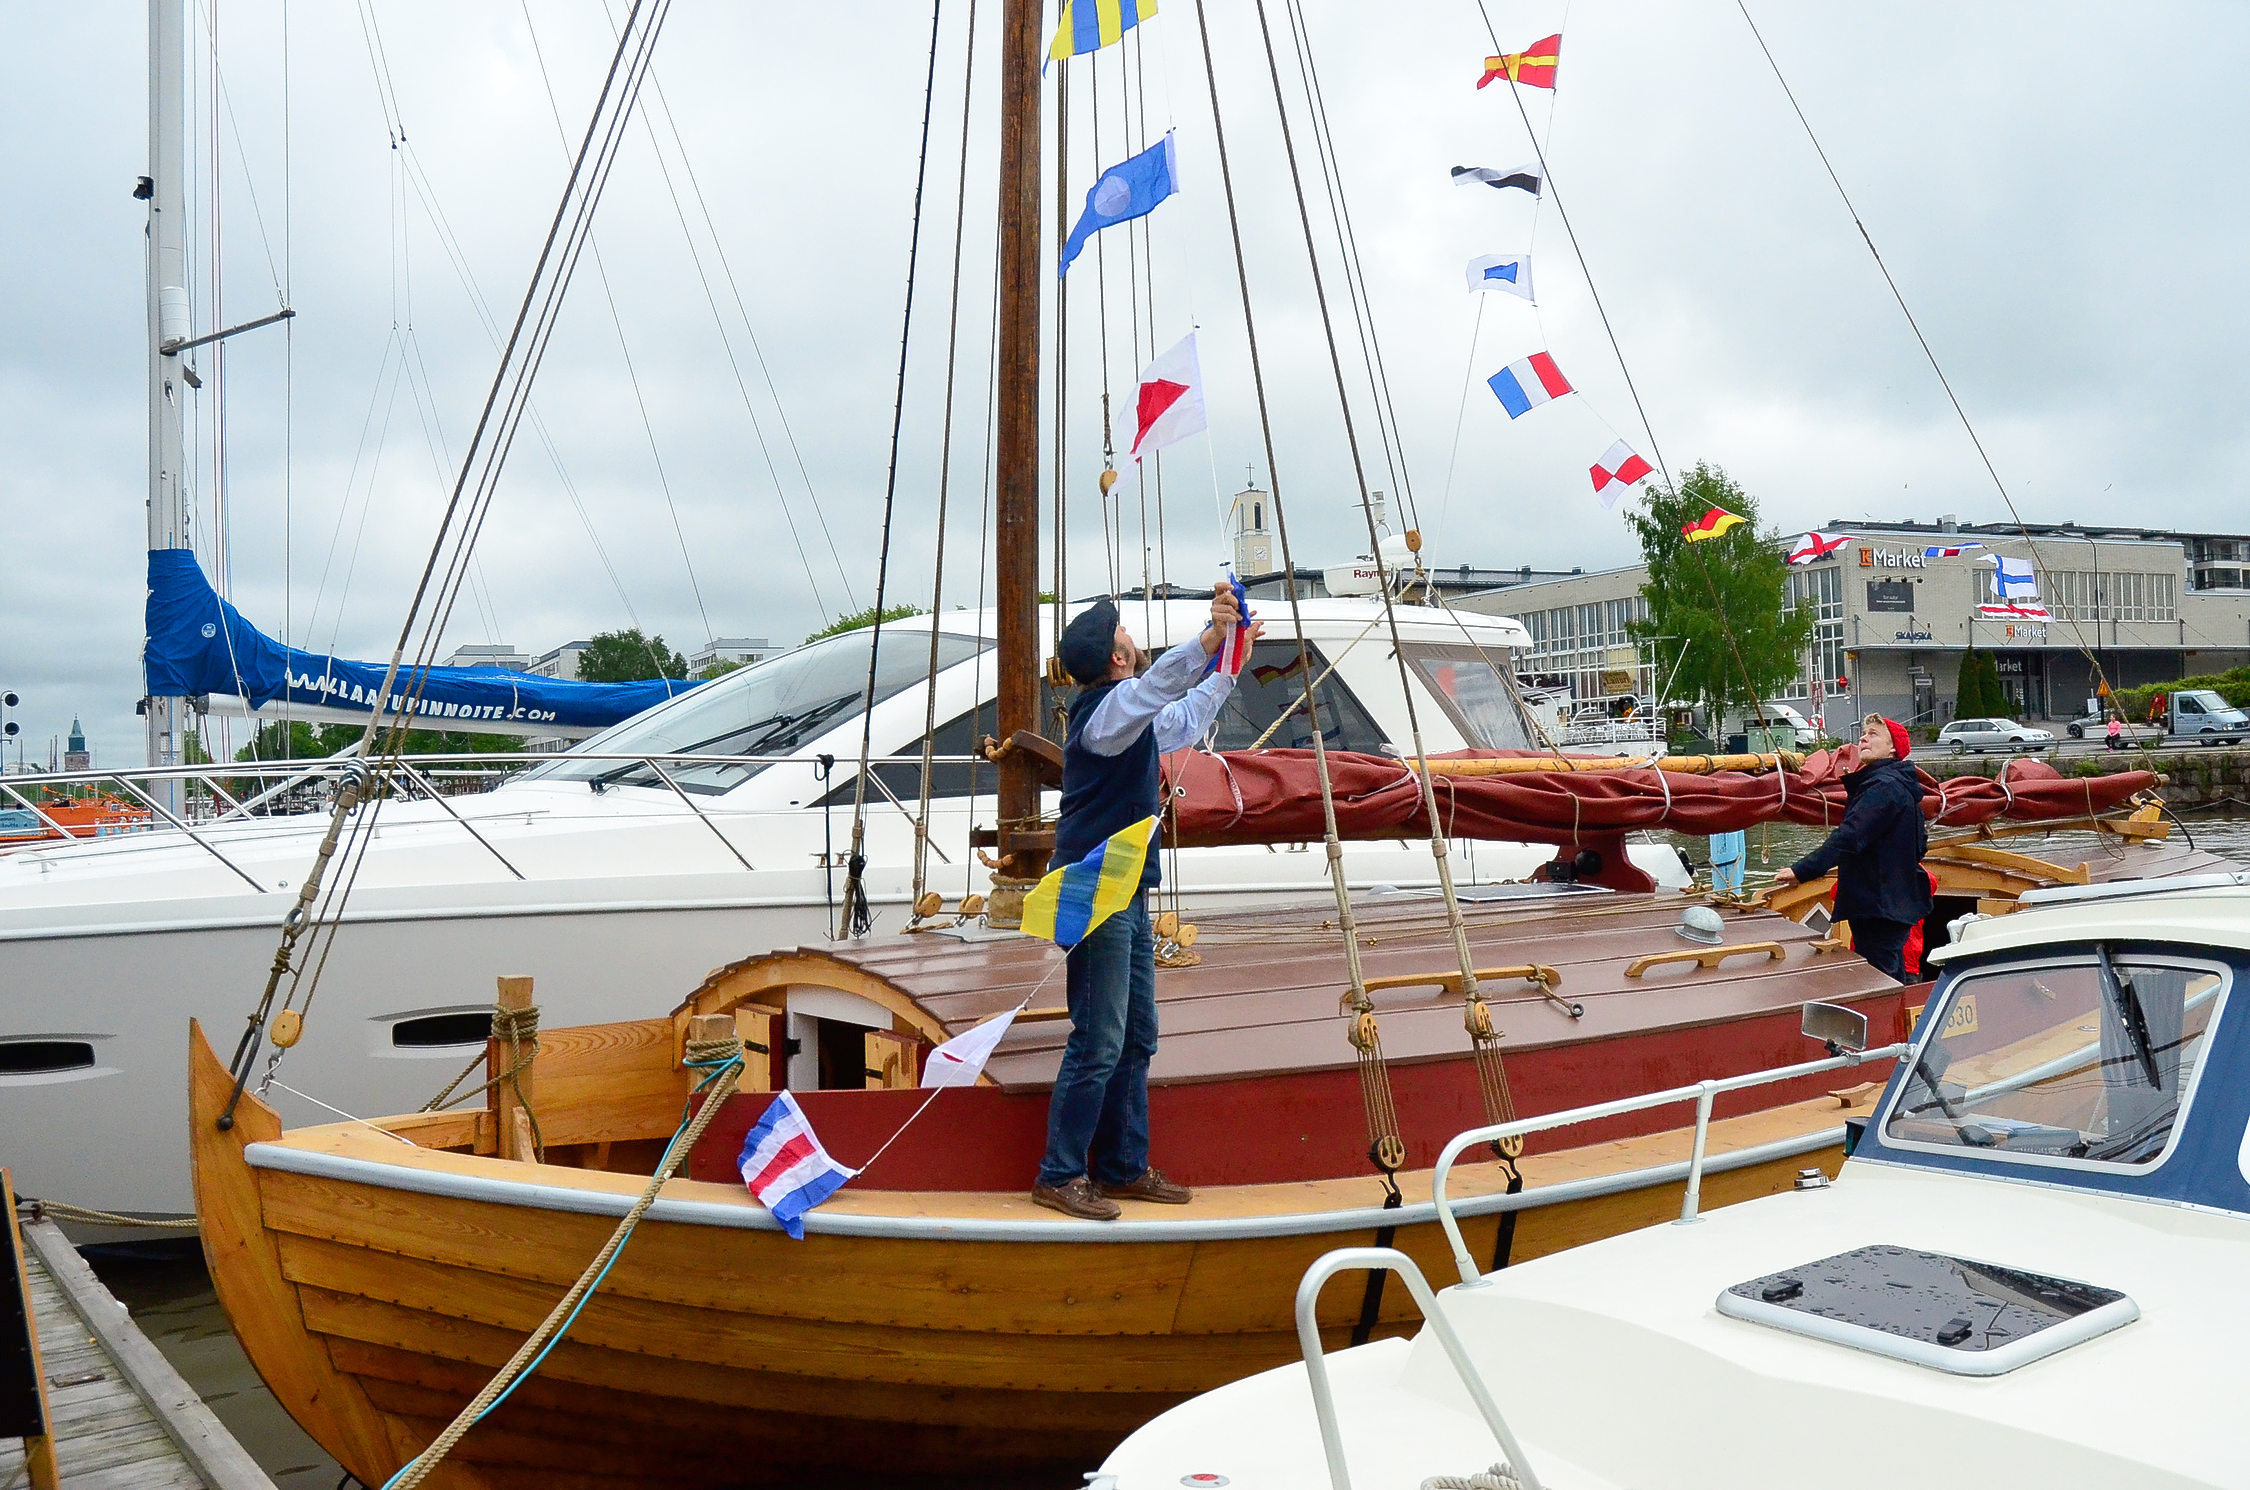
2058 189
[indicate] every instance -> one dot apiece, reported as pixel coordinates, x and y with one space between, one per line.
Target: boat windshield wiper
2130 1016
616 773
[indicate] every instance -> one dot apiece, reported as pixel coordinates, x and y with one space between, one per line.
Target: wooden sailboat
933 1320
377 1273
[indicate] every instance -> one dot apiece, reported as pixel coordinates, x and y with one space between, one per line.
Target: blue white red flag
785 1166
1949 550
1524 386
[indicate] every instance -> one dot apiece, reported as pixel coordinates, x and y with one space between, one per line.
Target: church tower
1249 525
76 757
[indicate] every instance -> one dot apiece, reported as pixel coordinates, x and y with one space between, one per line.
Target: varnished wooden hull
731 1355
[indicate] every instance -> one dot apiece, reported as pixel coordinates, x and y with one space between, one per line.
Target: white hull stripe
415 1181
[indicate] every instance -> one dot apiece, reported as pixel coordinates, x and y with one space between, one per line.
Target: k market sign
1891 558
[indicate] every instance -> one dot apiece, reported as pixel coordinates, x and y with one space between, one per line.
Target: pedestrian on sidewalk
2116 731
1881 889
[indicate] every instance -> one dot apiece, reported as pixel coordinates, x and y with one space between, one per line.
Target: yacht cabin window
2086 1061
1274 682
1472 686
770 708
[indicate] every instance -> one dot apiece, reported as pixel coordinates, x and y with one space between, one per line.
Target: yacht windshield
2087 1060
767 709
1468 681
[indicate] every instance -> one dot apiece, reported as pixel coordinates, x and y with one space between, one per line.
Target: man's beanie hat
1088 641
1901 743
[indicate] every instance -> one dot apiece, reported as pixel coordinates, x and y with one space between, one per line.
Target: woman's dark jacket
1877 850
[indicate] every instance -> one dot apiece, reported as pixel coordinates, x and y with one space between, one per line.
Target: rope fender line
723 1060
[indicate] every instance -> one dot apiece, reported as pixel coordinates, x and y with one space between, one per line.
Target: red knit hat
1901 744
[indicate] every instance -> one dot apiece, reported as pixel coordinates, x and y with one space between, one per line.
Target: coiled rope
722 1061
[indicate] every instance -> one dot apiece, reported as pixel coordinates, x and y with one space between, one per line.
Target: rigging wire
858 920
321 897
2069 612
945 463
625 350
1424 776
742 312
1354 267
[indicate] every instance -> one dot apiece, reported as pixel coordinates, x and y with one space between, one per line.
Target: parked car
1989 734
2095 726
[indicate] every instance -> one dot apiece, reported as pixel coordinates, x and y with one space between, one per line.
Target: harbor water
170 1295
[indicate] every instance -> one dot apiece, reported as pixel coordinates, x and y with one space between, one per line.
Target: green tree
720 669
1968 688
295 741
1748 644
627 657
859 618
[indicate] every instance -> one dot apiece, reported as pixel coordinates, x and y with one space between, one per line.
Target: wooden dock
119 1417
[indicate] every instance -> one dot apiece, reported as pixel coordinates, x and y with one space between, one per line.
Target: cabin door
828 1038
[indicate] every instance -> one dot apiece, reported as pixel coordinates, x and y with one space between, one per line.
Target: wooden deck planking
122 1418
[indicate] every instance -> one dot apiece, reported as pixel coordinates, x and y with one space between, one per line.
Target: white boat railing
1390 1259
1701 1094
422 775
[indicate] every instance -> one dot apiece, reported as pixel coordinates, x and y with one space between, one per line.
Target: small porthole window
433 1030
38 1057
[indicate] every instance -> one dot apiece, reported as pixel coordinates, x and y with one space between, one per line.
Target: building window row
2104 595
1821 587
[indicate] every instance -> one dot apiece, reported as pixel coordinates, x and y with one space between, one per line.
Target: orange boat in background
75 817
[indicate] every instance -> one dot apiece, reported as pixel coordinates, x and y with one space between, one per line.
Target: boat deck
123 1419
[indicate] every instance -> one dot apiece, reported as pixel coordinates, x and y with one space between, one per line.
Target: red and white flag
786 1168
1169 405
1816 546
1620 463
2012 610
960 1060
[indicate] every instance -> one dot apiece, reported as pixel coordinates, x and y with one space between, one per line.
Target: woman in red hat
1877 850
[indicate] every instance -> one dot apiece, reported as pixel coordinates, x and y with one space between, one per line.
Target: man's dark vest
1104 794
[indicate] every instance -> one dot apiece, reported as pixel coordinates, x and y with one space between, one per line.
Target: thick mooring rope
725 1058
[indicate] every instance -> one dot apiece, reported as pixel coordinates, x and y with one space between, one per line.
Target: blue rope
713 1069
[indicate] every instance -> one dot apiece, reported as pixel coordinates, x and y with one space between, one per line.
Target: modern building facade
739 650
1893 619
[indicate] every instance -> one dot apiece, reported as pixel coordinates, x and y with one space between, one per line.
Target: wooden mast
1016 494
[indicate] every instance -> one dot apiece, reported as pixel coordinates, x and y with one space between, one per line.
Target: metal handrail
1390 1259
415 769
1701 1094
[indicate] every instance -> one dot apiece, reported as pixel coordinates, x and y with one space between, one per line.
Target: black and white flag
1523 178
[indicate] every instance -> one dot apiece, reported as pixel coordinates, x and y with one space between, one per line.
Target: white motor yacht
617 883
2028 1273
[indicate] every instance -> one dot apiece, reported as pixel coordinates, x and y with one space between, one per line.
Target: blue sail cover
198 643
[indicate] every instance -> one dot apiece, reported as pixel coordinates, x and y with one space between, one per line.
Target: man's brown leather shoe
1079 1198
1151 1186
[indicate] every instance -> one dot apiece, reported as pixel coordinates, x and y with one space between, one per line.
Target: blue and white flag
1509 272
1125 191
785 1166
2016 580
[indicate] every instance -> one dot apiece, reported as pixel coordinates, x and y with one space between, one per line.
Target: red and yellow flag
1534 66
1710 525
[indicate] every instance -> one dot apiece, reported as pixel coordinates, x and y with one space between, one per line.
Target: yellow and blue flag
1071 901
1090 25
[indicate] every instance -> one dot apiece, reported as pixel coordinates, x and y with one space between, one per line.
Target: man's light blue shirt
1168 697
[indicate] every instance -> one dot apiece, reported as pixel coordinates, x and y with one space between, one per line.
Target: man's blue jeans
1097 1120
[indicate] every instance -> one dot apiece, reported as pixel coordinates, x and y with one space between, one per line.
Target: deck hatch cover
1949 1313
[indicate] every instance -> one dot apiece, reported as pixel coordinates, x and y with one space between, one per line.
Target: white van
1778 717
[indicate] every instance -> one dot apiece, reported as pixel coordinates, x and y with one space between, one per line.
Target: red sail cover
1273 796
